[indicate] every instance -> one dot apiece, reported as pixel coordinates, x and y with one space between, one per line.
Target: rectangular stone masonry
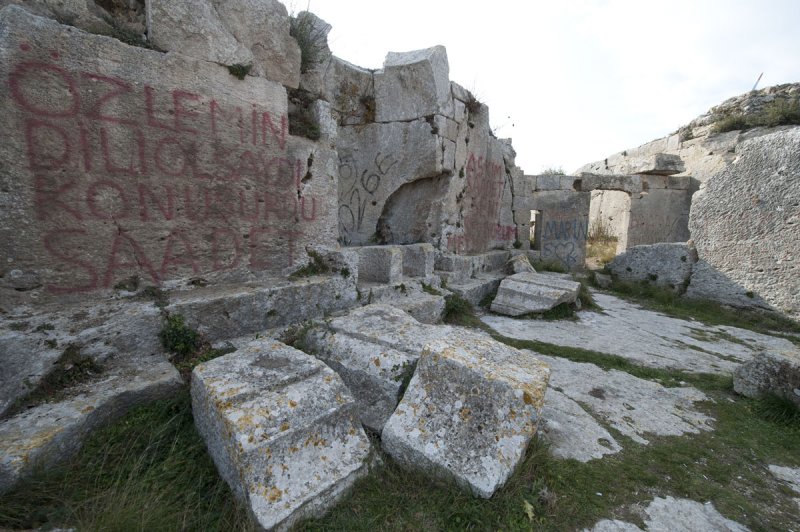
380 264
282 430
418 260
469 411
121 161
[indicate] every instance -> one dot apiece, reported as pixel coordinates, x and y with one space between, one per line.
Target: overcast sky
573 81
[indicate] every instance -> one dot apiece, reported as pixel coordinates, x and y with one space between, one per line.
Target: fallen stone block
476 289
469 411
770 372
523 293
425 308
662 164
519 264
49 433
374 349
373 373
282 430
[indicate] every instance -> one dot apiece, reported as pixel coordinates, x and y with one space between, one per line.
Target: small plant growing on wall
311 38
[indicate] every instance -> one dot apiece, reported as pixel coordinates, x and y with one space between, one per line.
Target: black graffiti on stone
564 253
566 230
357 190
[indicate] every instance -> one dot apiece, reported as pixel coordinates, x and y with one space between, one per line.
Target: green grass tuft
239 71
148 471
178 338
459 311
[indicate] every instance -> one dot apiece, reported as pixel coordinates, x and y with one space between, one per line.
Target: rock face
282 430
750 259
469 411
770 372
527 292
147 164
668 265
229 32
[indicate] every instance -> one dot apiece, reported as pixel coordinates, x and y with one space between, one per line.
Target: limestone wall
121 161
744 222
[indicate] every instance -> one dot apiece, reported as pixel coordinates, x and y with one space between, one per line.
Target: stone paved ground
645 337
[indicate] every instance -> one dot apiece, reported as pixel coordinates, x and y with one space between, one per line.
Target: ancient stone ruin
174 162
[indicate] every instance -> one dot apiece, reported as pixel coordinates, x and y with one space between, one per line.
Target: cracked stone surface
646 337
582 396
675 515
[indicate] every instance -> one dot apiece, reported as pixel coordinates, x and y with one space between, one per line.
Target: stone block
668 265
477 288
282 430
372 372
524 293
770 372
229 32
519 263
425 308
469 411
380 264
418 260
413 85
658 164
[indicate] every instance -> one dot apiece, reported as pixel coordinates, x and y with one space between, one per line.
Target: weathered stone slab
523 293
425 308
645 337
571 431
476 289
667 264
282 430
469 412
669 513
227 313
637 408
413 85
52 432
662 164
130 162
32 344
373 349
83 14
228 32
770 372
750 258
519 264
373 373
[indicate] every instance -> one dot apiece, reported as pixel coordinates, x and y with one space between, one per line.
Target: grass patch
70 370
428 289
178 338
552 170
549 266
459 311
239 71
709 312
779 112
778 410
148 471
313 41
316 266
